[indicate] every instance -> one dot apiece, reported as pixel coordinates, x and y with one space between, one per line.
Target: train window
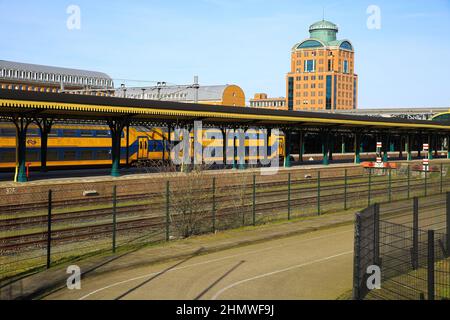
86 133
86 155
70 133
33 156
102 133
8 132
52 155
103 155
70 155
53 133
7 156
33 132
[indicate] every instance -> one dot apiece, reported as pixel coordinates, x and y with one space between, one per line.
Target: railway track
69 235
123 211
43 204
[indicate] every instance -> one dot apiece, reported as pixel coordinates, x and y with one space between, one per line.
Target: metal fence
414 262
41 228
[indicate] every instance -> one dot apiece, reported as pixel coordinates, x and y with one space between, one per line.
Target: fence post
289 196
214 205
430 265
167 211
390 185
409 181
114 218
415 249
254 200
49 229
345 189
448 222
369 187
356 259
318 193
376 234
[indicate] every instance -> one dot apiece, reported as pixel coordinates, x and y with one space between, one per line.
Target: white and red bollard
426 161
379 163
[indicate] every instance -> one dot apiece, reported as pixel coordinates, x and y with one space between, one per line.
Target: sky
404 63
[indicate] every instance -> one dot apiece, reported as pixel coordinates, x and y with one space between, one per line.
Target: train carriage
90 145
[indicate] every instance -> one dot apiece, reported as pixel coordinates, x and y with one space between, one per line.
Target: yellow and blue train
90 145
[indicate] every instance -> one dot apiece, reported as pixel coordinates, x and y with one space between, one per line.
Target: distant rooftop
176 93
24 72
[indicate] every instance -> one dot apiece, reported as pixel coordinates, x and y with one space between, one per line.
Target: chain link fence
411 250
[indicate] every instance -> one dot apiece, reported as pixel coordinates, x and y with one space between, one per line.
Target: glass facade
328 96
346 45
291 93
310 44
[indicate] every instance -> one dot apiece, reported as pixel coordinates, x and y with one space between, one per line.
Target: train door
143 148
281 146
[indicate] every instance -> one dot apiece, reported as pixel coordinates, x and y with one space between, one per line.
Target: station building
227 95
322 75
40 78
261 100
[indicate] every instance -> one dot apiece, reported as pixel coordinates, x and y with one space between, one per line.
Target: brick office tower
322 73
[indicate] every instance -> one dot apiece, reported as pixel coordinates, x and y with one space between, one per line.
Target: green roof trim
323 24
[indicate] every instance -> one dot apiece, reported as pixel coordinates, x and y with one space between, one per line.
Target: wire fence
41 228
411 252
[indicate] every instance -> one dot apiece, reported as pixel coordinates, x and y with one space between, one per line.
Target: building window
330 65
310 65
345 66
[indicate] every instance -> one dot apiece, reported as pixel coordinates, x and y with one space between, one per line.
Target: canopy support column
386 141
21 124
128 145
325 137
224 146
430 147
357 146
408 147
448 146
301 151
45 126
116 126
287 149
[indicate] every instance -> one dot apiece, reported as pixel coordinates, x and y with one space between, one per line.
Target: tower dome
324 30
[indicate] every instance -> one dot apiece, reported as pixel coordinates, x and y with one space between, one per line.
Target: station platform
129 176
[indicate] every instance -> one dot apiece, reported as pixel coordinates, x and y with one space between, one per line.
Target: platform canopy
14 103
